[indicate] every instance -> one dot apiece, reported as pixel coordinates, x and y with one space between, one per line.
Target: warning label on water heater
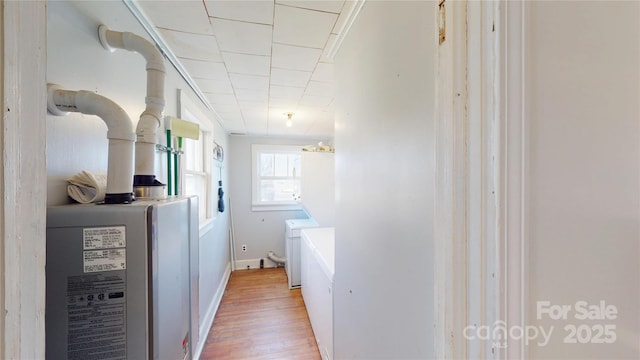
104 237
105 260
96 317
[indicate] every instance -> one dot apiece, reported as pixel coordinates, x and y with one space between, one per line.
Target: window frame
205 174
282 205
190 112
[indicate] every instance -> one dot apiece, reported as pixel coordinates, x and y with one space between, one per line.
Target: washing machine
292 241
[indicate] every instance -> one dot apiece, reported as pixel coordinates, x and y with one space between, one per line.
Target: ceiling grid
257 60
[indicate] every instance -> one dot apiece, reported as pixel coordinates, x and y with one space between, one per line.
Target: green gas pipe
176 166
169 186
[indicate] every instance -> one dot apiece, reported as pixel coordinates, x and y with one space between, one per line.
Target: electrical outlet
244 247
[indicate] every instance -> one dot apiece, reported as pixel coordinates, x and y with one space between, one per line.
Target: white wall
384 137
582 90
318 186
77 61
261 231
215 265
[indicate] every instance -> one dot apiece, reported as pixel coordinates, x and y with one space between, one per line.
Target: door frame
451 177
513 170
23 180
481 167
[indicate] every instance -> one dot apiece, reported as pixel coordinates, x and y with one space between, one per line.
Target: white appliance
318 267
122 280
292 240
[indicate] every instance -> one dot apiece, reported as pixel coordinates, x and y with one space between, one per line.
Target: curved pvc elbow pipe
151 119
118 123
275 258
112 40
155 66
120 134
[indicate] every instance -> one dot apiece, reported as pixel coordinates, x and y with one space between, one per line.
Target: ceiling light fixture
289 121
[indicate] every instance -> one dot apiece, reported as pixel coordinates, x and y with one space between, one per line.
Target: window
197 174
276 175
196 163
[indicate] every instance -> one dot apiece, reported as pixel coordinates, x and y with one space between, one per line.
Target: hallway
260 318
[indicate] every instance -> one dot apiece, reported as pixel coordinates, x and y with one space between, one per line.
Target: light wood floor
260 318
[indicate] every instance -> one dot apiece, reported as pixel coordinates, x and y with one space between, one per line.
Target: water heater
122 280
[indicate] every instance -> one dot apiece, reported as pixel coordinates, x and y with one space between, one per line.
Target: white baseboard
207 321
253 264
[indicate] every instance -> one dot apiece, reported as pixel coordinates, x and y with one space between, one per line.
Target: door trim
451 178
514 170
23 180
469 181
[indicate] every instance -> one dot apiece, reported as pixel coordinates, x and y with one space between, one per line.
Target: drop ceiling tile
253 82
260 12
321 128
198 69
254 108
222 99
188 16
308 28
320 5
286 92
281 130
247 107
323 72
221 107
295 69
234 125
317 88
278 125
231 117
257 130
316 101
192 46
290 77
308 114
255 119
294 57
278 115
242 37
247 64
239 122
286 105
252 95
215 86
256 123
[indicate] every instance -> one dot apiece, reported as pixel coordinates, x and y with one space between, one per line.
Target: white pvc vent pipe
150 119
120 134
275 258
